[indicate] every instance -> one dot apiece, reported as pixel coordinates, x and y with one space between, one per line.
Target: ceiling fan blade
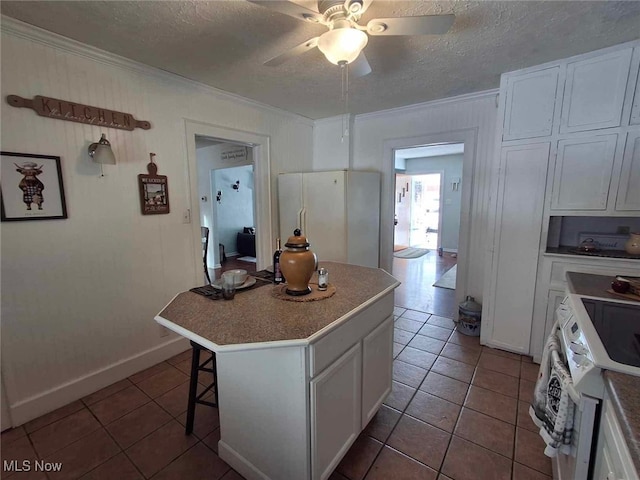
421 25
292 9
360 66
294 52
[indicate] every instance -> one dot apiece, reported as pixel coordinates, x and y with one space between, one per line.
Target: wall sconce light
219 196
236 185
101 151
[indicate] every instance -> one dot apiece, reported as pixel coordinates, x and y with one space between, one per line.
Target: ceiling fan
344 41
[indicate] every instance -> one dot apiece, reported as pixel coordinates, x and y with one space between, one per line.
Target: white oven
594 334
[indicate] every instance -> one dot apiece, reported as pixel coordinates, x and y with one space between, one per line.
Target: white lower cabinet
291 412
346 395
335 411
613 460
377 369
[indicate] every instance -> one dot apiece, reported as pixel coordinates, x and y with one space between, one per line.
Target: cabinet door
613 460
594 92
335 412
629 188
583 173
519 224
325 214
635 108
530 103
377 368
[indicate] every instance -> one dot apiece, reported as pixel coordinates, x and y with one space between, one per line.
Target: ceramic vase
297 264
633 244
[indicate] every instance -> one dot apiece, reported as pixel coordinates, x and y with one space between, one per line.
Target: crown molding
26 31
467 97
336 118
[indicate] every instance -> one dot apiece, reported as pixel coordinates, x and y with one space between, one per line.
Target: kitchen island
298 381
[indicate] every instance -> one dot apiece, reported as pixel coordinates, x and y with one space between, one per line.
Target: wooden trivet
628 296
279 291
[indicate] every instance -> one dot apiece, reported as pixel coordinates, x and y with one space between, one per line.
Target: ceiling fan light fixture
342 45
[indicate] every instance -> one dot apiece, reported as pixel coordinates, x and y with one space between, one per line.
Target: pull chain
344 76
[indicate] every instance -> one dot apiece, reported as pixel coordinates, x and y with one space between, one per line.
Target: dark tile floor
457 411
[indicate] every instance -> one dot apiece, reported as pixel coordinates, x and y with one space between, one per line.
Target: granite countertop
591 285
608 254
623 390
256 316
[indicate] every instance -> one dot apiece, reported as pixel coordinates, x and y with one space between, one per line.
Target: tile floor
457 411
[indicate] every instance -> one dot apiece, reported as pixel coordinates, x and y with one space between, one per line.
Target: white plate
249 282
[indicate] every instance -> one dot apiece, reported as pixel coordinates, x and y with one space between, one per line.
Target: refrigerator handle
303 221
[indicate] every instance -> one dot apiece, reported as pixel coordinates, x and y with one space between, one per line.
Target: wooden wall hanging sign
154 190
77 112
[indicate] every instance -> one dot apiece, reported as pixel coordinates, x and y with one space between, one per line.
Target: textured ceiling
225 43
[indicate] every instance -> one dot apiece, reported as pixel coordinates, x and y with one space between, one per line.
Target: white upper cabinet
594 92
629 188
530 103
583 173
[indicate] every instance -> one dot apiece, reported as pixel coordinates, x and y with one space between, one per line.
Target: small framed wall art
154 190
31 187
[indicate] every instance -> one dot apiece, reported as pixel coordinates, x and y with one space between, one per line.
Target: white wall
79 295
470 116
451 166
235 210
332 149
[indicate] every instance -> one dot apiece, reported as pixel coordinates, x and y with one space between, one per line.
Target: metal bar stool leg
193 388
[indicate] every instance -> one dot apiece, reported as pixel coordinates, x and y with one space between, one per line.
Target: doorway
226 182
418 219
202 196
427 217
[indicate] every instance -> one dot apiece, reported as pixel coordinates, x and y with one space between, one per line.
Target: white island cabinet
613 460
298 381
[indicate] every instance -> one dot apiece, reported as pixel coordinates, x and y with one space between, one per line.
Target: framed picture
31 187
154 191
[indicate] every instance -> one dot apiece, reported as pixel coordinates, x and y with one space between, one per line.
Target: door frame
469 137
260 148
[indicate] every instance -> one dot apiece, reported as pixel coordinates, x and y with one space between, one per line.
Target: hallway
417 291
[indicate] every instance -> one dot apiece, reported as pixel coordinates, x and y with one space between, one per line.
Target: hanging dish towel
552 407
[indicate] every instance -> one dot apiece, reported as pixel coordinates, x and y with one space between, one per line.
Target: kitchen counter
590 285
256 316
297 381
609 254
624 393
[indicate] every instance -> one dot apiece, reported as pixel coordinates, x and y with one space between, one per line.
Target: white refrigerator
338 212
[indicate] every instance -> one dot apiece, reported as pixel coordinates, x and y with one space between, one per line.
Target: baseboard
450 250
240 464
45 402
